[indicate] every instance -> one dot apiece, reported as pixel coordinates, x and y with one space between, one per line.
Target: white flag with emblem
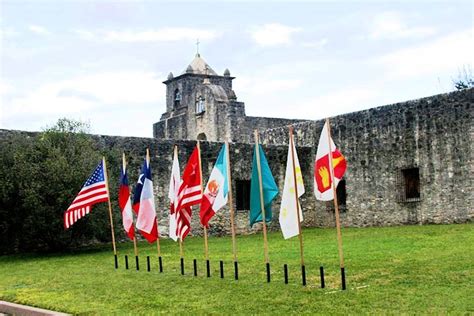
288 208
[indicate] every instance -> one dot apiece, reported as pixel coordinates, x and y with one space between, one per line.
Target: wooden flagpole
124 167
181 243
181 248
300 234
110 212
158 248
231 203
336 207
232 212
262 205
206 245
135 246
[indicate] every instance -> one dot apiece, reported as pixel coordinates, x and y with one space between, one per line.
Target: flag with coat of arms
323 173
217 189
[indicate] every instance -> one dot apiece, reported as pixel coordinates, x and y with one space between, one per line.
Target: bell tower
200 104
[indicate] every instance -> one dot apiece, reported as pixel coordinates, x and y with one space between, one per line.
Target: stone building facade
408 163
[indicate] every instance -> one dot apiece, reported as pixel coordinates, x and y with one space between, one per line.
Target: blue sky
103 62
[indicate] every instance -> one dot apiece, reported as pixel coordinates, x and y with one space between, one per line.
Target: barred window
242 192
409 185
200 105
177 98
341 198
341 194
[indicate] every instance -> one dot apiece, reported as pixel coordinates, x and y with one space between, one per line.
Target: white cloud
316 44
168 34
37 29
339 101
8 33
263 85
447 53
82 97
390 25
85 35
274 34
5 88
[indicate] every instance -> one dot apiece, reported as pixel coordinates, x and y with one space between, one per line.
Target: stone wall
250 123
434 134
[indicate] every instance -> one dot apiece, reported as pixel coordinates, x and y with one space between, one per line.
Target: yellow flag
288 208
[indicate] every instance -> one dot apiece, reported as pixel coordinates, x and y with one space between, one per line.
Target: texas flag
124 201
144 203
322 169
217 189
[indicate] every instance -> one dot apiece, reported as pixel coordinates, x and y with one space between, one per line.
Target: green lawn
411 269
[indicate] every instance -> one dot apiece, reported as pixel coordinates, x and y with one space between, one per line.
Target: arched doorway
202 136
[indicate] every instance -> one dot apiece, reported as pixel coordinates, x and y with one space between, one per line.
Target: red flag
322 168
125 203
189 194
92 192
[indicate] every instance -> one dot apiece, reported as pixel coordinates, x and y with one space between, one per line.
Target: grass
391 270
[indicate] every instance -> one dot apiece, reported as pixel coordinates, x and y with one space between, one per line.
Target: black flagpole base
343 279
195 265
321 273
126 262
160 261
182 266
236 270
285 272
303 275
222 268
116 261
208 268
137 263
148 268
268 272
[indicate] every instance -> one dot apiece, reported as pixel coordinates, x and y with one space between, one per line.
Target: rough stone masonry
408 163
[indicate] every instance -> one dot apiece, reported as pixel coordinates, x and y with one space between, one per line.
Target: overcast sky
103 62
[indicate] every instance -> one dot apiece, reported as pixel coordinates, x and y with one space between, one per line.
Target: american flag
189 194
92 192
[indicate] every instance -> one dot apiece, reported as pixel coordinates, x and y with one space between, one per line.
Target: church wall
434 134
245 131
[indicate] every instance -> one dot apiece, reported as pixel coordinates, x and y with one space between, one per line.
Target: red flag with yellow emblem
322 169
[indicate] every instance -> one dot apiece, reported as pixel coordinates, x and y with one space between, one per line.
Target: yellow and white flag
288 216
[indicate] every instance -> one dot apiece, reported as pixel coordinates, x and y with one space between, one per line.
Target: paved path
24 310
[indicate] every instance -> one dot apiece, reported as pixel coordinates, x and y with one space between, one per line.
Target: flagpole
262 206
300 234
110 212
124 167
336 207
231 203
181 248
135 249
231 206
206 245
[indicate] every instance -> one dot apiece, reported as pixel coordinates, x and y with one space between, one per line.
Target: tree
465 78
42 175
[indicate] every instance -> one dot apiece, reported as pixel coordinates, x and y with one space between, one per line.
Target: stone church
408 163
